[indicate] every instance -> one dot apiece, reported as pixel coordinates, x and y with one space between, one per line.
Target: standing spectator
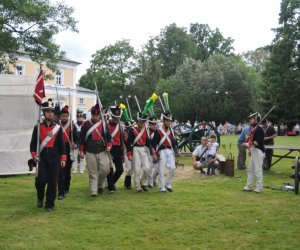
285 129
276 129
239 128
281 129
257 149
270 134
241 163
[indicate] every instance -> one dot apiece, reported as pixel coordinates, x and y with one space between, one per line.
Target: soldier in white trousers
78 124
165 144
257 149
138 147
152 125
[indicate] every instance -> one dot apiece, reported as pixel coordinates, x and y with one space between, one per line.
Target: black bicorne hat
48 106
255 115
79 113
153 119
115 111
142 118
167 116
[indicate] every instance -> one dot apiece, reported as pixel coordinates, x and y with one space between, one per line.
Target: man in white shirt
199 156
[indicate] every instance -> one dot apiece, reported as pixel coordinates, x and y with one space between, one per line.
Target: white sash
115 131
65 131
92 129
138 136
48 138
67 125
165 137
77 127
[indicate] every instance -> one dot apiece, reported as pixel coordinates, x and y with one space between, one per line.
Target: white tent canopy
18 115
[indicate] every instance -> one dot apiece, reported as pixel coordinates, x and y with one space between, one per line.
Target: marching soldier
71 141
52 155
95 143
128 164
117 147
137 152
81 162
152 124
165 145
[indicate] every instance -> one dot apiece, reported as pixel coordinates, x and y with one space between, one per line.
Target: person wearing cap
137 152
165 144
79 122
71 140
152 125
117 150
52 155
257 149
95 143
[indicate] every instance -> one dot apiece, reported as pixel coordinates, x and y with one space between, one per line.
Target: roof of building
84 89
64 59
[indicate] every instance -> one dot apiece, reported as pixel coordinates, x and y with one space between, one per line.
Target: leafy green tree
282 73
218 89
209 42
174 45
30 25
258 58
113 68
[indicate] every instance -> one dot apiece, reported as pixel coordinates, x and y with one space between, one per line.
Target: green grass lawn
202 213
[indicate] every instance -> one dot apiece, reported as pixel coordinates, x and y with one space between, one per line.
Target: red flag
39 92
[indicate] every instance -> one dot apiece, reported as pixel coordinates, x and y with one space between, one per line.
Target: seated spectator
201 159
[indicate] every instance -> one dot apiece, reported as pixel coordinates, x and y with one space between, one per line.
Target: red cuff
129 154
81 148
33 154
63 158
109 145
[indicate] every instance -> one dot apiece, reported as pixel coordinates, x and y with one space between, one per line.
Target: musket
162 106
57 95
137 103
71 118
72 153
101 113
266 115
261 120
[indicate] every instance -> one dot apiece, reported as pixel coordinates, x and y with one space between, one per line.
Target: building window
20 70
59 79
82 101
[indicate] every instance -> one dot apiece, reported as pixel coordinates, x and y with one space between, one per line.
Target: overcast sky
103 22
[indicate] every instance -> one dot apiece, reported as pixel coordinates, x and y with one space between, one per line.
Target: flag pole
38 142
